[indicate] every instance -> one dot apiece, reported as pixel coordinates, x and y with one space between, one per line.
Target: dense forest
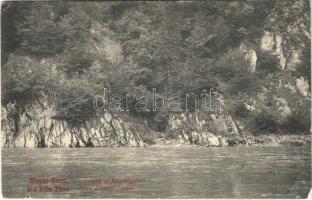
254 54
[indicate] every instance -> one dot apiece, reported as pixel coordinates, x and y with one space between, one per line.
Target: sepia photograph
156 99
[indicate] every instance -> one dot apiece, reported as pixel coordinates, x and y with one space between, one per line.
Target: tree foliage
135 47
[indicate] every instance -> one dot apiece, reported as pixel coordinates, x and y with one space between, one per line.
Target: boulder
303 87
213 141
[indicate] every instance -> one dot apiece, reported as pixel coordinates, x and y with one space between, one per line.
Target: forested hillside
57 56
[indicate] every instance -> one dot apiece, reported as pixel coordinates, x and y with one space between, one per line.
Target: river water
193 172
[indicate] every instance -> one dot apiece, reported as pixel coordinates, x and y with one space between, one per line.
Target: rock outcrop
303 87
273 44
250 56
205 129
37 128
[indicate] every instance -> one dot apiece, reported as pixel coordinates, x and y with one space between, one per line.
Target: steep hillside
143 73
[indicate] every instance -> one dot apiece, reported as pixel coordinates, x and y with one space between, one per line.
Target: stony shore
263 140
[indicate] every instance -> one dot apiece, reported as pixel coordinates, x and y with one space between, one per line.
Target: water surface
242 172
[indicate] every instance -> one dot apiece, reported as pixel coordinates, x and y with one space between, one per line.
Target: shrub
265 122
267 63
240 110
298 122
149 139
245 79
157 121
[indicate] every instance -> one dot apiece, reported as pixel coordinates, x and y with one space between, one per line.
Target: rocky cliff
205 129
36 127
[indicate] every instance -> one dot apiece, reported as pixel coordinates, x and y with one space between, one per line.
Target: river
192 172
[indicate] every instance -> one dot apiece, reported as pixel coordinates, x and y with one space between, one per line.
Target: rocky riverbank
36 128
265 140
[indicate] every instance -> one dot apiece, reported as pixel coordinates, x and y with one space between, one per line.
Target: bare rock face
36 128
273 43
250 107
224 125
250 56
279 51
267 42
293 60
205 139
202 128
303 87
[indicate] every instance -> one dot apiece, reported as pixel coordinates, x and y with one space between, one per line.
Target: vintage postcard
156 99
